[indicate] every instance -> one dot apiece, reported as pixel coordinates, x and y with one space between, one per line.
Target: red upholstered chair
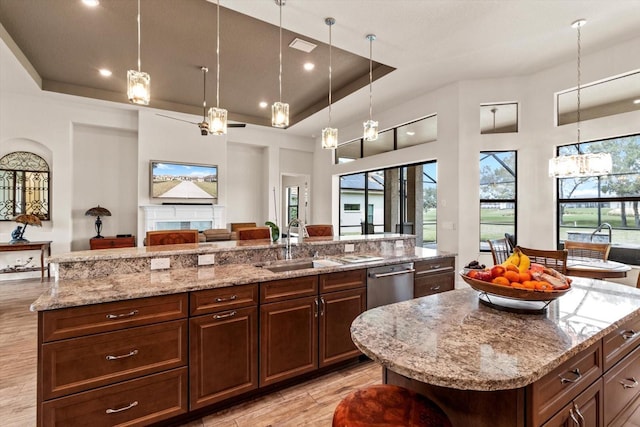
171 237
320 230
253 233
388 405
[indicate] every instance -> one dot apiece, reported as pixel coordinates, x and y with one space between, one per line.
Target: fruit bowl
513 293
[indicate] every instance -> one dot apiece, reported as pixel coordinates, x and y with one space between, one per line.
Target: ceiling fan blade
175 118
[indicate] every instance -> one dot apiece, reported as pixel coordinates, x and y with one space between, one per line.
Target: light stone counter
451 340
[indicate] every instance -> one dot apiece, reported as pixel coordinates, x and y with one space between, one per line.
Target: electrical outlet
349 247
160 263
206 259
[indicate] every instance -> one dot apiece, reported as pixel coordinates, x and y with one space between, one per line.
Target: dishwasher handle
393 273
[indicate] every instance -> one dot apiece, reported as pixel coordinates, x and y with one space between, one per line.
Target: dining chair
319 230
499 250
171 237
253 233
511 240
599 251
556 259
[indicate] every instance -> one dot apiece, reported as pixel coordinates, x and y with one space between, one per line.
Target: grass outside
159 188
209 187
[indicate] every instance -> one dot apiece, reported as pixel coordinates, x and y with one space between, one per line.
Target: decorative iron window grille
24 186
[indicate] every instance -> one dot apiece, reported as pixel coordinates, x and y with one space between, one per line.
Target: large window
609 202
498 195
24 186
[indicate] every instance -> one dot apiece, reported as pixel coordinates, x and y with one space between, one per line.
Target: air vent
302 45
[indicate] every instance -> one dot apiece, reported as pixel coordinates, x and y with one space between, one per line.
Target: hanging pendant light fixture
329 134
217 115
138 82
370 126
581 164
280 110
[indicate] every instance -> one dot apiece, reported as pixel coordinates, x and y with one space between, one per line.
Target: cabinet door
288 339
223 356
586 410
337 311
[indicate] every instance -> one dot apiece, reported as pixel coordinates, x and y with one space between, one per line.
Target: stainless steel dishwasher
389 284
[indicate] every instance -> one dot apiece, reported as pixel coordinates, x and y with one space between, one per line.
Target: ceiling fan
204 124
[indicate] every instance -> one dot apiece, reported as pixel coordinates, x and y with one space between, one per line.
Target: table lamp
17 235
98 211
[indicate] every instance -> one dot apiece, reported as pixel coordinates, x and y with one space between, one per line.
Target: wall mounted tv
173 180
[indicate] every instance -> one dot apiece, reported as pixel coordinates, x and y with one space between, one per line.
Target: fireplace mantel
163 217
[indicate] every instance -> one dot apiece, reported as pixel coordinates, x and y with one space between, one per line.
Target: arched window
24 186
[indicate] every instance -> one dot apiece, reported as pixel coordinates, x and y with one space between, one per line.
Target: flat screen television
174 180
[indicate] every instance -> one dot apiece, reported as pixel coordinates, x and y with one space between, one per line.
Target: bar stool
384 405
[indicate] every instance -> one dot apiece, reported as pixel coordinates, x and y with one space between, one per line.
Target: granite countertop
451 340
78 292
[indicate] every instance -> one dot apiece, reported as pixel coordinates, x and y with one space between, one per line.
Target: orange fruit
525 277
543 286
529 284
500 280
512 276
511 267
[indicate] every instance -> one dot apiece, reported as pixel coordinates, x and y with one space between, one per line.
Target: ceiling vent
302 45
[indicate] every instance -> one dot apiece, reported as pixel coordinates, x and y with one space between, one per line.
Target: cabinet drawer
343 280
620 342
112 242
280 290
78 364
111 316
138 402
433 283
621 386
436 265
209 301
553 391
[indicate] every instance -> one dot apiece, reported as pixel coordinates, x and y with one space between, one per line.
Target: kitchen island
486 367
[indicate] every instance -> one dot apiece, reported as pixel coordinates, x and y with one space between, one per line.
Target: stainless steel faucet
302 233
600 227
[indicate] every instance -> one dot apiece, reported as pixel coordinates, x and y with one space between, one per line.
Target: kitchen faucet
302 233
600 227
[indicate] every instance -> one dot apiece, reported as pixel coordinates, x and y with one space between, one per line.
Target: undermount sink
289 266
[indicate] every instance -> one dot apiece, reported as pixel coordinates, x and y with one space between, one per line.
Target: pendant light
138 82
329 134
370 126
217 115
280 110
580 165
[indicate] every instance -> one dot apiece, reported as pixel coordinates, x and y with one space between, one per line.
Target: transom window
24 186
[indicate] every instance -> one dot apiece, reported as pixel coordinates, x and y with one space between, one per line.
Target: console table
28 246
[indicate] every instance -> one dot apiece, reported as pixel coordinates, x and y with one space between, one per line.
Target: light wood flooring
307 404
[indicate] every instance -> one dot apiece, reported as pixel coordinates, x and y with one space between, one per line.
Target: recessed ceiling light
91 3
104 72
410 133
302 45
309 66
636 101
263 104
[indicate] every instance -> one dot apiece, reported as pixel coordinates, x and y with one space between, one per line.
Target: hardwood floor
307 404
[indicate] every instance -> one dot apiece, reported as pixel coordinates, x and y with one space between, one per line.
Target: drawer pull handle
122 356
573 417
322 306
627 335
224 316
231 298
124 408
435 288
575 372
631 384
119 316
581 420
317 308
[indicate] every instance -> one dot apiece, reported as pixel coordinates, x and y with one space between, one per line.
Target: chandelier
370 126
329 134
581 164
217 115
138 82
280 110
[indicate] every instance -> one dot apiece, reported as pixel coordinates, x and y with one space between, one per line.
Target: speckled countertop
117 287
451 340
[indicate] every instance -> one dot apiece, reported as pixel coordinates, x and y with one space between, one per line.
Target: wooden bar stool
386 405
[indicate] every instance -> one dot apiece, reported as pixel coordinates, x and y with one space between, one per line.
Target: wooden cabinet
433 276
112 242
223 342
586 410
114 363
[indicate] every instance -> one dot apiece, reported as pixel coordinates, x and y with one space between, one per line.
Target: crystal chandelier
581 164
280 110
329 134
138 82
370 126
217 115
